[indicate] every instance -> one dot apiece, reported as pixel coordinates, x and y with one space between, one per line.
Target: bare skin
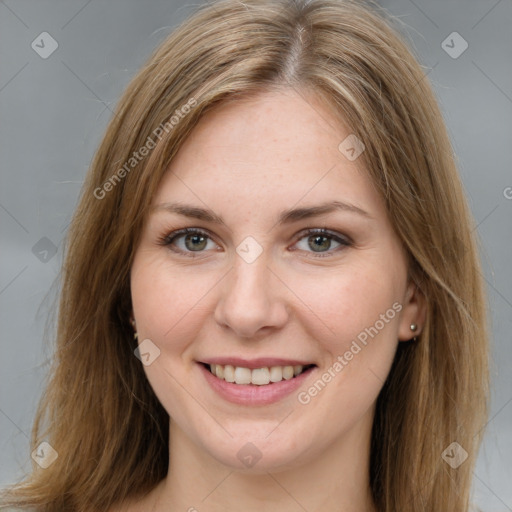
306 296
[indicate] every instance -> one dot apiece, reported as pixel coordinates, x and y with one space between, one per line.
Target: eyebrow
286 217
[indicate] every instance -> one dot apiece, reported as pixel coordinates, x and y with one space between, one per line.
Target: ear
414 312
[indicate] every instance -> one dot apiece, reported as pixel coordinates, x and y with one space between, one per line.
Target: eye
193 240
188 241
320 240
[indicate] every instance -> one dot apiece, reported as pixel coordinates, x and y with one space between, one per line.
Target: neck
335 480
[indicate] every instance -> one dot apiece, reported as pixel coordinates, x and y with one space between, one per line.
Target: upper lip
260 362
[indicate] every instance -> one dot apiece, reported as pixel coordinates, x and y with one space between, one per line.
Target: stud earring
135 333
414 327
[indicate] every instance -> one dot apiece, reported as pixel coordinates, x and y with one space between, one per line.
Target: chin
255 454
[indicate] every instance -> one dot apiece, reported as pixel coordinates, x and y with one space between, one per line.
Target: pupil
195 239
317 243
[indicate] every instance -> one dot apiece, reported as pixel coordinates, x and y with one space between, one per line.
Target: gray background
54 112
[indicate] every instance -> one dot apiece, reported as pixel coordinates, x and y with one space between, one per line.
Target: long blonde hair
99 411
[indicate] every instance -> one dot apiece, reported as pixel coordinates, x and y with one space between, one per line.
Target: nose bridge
251 277
250 299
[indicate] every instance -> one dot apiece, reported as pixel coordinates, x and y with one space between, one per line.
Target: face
269 255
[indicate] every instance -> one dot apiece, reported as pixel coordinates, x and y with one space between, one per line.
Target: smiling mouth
256 376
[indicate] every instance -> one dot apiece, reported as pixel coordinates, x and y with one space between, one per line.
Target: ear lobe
414 313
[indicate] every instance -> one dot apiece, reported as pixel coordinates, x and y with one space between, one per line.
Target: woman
271 296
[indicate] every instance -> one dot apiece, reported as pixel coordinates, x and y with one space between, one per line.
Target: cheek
169 311
168 303
345 304
362 312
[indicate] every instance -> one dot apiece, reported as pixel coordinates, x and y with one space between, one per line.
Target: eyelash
345 241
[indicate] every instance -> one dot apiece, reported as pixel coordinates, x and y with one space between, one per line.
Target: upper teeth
258 376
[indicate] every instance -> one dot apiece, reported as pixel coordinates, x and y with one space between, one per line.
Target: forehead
270 148
283 125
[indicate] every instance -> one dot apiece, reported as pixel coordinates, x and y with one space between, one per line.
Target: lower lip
251 394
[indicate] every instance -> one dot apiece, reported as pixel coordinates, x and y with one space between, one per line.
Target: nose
252 300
